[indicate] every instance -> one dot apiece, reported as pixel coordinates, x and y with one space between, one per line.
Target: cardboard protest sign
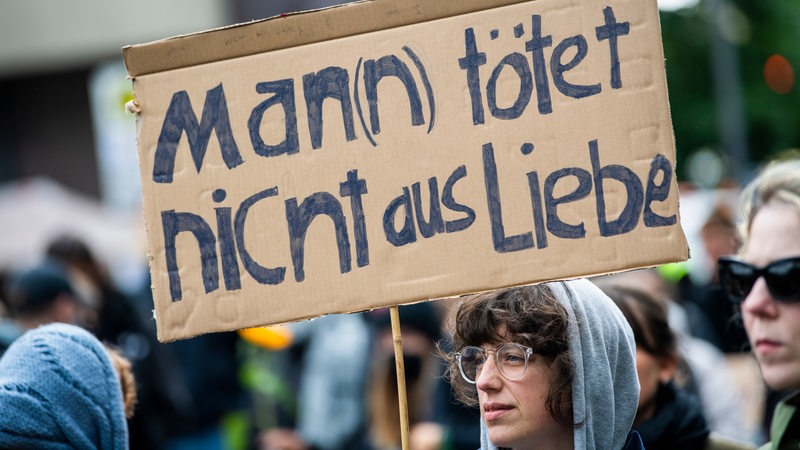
389 152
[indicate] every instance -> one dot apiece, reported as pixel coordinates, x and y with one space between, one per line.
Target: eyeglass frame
724 264
528 351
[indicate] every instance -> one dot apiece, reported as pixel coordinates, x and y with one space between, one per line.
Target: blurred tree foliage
757 30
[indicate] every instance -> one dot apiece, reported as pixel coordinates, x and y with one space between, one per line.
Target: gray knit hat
59 390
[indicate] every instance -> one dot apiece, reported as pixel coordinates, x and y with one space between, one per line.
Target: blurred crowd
330 383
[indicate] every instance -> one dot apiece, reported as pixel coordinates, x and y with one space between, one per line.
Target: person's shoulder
785 413
718 442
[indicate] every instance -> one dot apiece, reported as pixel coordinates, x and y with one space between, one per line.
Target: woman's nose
759 301
489 376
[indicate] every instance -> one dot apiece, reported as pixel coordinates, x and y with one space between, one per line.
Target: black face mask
412 366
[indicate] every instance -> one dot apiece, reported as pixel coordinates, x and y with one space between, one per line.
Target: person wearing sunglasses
550 366
765 281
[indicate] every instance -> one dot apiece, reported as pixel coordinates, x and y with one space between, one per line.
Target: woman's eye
514 358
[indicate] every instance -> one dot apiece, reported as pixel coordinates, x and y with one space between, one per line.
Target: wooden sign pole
401 376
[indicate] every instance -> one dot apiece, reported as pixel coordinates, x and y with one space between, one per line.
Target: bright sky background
672 5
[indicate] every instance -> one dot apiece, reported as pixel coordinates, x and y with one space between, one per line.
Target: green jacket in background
784 432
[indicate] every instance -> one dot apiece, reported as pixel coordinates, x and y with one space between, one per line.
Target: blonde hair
779 182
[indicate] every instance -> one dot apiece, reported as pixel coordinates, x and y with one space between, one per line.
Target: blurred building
63 88
68 156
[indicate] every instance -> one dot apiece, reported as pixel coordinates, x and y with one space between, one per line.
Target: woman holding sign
765 280
551 366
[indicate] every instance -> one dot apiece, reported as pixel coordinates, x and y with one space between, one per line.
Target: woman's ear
668 368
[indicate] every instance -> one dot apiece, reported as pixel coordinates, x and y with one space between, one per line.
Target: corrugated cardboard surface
627 126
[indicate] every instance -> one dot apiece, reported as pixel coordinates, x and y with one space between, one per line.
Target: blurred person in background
667 417
202 377
723 389
119 322
9 329
420 329
451 425
44 294
720 238
61 388
332 374
764 279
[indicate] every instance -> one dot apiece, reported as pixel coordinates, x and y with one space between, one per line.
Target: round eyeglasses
510 358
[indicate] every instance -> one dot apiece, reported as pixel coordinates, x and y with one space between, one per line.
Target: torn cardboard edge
291 30
446 296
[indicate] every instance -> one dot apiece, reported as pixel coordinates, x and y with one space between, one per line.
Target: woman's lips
493 411
765 346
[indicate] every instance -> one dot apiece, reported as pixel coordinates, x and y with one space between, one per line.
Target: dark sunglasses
782 277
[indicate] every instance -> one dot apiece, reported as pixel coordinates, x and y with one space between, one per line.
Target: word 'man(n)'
329 84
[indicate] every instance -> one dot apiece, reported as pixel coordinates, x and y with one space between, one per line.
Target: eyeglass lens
782 278
511 360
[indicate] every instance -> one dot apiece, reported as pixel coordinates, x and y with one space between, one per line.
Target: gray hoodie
605 391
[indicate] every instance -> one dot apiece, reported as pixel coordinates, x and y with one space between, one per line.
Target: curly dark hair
529 315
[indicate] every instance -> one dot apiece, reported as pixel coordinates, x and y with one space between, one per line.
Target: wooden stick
401 376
